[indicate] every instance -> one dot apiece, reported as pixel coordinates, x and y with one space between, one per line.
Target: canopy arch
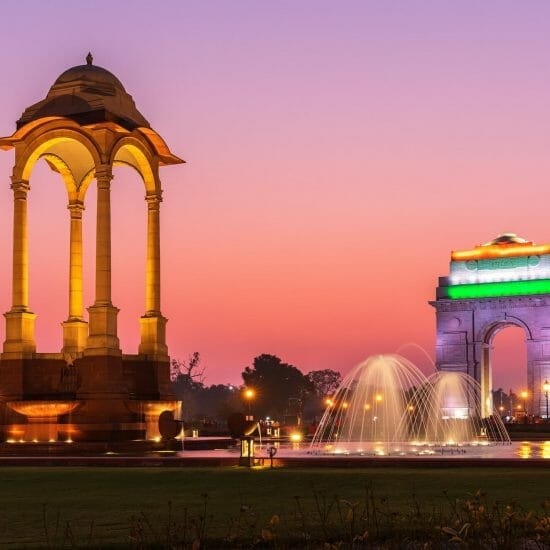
67 151
130 151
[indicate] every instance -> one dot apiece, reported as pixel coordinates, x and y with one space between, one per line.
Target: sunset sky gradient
336 153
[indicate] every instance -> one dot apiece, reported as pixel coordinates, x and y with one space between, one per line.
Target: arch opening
48 256
68 156
504 369
129 230
130 153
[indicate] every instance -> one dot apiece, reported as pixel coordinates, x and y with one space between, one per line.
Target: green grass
102 501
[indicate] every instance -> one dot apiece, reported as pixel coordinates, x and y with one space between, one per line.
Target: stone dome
87 94
91 73
507 238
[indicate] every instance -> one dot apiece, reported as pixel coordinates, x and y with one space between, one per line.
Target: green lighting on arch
492 290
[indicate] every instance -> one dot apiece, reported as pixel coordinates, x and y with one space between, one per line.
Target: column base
75 334
102 337
153 336
19 333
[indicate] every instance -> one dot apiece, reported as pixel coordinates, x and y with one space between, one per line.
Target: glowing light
345 405
490 290
410 408
295 437
501 251
378 397
156 439
524 394
329 402
367 406
249 393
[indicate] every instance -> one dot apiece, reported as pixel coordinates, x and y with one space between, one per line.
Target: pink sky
337 152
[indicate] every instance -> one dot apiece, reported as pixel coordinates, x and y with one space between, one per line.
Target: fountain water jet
449 412
386 405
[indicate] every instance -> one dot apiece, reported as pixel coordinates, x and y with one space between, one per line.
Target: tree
325 382
190 369
275 383
188 381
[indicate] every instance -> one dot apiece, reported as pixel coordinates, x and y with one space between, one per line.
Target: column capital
153 201
104 175
20 188
76 208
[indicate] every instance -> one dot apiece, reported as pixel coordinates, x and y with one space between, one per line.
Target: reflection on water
525 450
534 449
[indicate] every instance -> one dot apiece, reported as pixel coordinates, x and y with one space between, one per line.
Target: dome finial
89 58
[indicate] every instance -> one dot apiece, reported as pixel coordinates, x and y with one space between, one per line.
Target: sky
336 153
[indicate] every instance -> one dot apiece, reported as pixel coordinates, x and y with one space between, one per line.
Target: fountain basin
35 410
151 410
42 418
146 407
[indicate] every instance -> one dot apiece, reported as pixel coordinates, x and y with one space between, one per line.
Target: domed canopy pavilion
86 124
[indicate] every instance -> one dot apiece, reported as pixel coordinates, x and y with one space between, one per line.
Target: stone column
20 320
75 329
102 339
152 289
153 324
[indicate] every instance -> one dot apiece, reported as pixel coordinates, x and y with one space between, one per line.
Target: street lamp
524 396
249 394
546 389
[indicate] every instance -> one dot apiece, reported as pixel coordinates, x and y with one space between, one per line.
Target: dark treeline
279 390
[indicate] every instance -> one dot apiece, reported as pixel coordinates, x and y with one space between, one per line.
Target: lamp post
546 389
524 396
249 394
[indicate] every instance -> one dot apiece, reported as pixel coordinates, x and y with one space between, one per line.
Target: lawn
231 506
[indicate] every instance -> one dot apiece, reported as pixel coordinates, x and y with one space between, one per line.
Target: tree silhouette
274 383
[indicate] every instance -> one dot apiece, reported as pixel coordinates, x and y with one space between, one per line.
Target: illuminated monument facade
89 390
505 282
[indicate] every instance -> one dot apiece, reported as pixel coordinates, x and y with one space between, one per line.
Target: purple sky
337 152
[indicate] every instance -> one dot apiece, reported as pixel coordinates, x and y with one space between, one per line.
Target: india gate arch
86 125
503 283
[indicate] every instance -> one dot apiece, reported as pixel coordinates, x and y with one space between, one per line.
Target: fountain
387 406
448 410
